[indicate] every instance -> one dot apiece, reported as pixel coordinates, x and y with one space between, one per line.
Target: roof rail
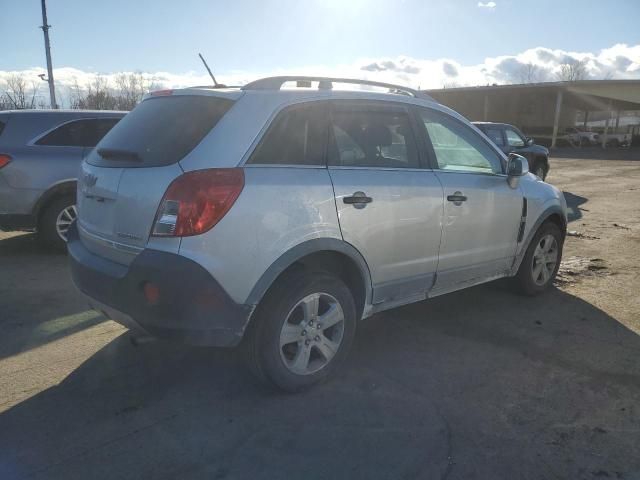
326 83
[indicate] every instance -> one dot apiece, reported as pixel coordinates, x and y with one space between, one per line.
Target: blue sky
251 35
425 44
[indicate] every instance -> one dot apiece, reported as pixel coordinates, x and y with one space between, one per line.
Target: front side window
372 136
457 147
79 133
296 137
513 138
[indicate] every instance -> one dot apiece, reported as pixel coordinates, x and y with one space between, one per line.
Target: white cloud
490 5
621 61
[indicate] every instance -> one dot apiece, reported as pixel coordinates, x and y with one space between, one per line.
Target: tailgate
117 207
125 177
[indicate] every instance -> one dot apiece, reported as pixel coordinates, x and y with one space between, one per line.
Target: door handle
457 198
358 200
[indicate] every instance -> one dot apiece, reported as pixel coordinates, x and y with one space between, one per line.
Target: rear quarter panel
279 208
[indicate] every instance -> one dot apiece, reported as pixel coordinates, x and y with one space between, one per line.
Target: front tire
541 261
540 170
54 222
302 331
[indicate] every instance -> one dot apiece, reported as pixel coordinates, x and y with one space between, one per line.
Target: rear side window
296 137
78 133
160 131
495 134
372 136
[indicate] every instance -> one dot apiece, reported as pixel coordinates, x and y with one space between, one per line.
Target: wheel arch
328 254
553 214
65 187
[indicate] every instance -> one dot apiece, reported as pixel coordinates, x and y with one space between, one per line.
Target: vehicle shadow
476 384
38 302
574 212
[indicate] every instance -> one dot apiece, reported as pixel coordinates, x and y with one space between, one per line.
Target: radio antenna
215 84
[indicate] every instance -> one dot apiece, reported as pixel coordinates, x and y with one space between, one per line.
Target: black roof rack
326 83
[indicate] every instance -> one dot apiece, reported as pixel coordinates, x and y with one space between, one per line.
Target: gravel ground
476 384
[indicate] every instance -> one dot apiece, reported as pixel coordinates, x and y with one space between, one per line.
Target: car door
482 212
389 206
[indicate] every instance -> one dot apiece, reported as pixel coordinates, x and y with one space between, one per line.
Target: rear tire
287 344
541 261
54 221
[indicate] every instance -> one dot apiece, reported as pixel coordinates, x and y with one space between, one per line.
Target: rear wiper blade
119 154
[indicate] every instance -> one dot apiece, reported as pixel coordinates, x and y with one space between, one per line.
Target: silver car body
410 243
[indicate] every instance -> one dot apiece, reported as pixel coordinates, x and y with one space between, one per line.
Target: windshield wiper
119 154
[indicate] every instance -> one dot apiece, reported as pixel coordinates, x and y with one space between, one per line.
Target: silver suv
284 216
40 155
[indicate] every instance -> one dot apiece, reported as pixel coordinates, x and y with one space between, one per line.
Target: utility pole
47 48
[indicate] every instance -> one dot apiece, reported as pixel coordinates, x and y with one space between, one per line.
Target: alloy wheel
64 221
545 259
312 333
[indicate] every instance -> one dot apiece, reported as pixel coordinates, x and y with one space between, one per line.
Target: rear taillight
4 159
196 201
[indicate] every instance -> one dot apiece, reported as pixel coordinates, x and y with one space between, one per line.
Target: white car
580 137
616 139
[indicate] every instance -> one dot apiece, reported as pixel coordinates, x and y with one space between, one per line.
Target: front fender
554 209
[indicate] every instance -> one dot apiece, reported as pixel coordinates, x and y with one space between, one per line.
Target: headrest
377 134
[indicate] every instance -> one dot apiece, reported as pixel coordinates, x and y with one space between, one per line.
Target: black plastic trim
544 216
302 250
192 306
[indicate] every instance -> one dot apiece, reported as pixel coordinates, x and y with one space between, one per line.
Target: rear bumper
11 222
190 307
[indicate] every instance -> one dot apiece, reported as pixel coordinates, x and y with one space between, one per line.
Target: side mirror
529 141
516 168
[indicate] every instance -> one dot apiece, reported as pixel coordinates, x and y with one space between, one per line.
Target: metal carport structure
543 109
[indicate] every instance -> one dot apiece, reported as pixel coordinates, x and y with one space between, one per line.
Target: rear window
2 124
160 131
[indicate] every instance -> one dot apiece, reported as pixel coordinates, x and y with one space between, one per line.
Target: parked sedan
511 140
40 155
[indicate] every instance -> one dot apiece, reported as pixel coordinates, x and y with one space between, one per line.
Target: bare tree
529 73
97 96
17 94
573 71
127 92
131 87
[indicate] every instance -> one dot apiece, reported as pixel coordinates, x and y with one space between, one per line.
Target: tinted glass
495 134
79 133
457 147
96 129
162 130
513 139
372 137
296 137
2 124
